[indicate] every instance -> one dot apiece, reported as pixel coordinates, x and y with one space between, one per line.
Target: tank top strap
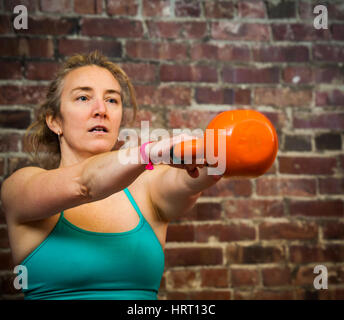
133 202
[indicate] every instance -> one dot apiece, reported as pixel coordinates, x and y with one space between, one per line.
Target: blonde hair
38 134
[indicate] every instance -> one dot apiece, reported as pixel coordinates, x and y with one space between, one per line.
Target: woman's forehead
91 76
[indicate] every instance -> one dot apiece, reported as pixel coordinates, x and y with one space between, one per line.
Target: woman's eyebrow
90 89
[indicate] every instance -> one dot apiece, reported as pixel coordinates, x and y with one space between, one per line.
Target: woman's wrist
145 155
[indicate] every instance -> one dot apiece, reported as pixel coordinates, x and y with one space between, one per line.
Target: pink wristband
149 166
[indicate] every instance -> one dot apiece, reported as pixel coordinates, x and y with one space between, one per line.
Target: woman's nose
99 107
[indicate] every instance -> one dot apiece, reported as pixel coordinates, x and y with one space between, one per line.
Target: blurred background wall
189 60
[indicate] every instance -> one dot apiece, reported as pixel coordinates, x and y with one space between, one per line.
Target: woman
92 227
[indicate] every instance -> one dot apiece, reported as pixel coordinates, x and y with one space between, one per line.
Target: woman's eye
111 100
82 98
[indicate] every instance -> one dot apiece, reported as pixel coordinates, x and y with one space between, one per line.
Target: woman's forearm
110 172
201 183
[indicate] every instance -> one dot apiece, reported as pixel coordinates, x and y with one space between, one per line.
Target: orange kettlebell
251 143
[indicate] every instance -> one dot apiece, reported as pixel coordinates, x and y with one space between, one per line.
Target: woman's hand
159 152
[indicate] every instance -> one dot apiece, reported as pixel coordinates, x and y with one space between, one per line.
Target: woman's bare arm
174 192
33 193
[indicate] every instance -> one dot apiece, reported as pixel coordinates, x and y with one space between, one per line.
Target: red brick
286 187
278 119
218 9
265 294
163 283
323 121
276 276
188 73
253 254
331 185
248 209
229 187
88 6
31 5
126 8
330 53
331 294
329 75
2 168
306 254
306 165
158 8
193 256
299 32
53 26
203 211
333 230
288 230
110 48
180 233
29 47
194 30
5 24
319 208
246 75
228 30
283 97
161 51
216 278
141 115
251 9
224 233
164 29
177 295
9 142
296 75
290 53
331 98
62 6
140 71
187 8
242 96
10 94
222 96
10 70
42 70
338 31
214 95
117 28
223 53
183 279
189 119
210 295
150 95
244 277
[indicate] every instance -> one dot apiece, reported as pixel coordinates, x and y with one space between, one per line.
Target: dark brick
328 141
187 8
281 9
297 143
16 119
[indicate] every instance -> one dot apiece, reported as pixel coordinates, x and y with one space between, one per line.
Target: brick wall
245 239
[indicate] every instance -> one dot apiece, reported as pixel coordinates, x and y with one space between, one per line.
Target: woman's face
90 97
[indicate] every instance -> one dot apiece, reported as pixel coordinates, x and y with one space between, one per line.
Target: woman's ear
53 124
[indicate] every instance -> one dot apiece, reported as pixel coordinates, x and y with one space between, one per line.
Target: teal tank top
73 263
